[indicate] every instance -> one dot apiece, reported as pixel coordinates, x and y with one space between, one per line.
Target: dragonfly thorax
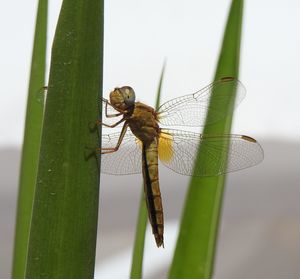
143 122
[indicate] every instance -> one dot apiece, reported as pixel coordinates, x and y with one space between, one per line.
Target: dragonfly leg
114 114
107 150
99 122
93 125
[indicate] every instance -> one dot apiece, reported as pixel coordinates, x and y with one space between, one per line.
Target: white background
139 35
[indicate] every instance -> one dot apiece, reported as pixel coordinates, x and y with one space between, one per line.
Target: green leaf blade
195 250
31 142
64 223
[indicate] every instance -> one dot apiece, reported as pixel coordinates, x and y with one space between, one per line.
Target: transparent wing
191 110
127 159
178 151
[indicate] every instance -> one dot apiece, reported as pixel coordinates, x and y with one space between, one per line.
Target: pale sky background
140 34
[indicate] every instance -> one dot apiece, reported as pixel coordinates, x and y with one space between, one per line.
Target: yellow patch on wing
165 147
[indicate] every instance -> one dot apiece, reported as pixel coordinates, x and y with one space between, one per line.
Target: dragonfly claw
93 126
90 152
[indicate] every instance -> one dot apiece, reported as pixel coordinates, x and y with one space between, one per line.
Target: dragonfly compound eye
128 95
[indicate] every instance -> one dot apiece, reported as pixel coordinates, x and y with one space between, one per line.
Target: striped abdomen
152 191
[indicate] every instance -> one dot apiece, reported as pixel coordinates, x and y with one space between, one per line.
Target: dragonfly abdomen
152 191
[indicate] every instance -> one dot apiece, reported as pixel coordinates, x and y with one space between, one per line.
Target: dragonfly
143 140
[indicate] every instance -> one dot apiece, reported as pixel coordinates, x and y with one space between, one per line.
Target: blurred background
260 229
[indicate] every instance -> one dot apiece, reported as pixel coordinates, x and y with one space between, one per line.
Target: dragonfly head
123 97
